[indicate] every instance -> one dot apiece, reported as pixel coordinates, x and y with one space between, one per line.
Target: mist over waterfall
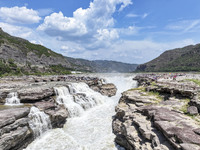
39 121
91 129
64 97
77 98
12 99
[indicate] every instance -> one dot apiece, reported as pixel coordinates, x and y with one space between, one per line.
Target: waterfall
12 99
92 130
39 121
64 97
87 98
77 98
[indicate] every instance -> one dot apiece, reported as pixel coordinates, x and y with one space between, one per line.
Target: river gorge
89 119
91 129
100 111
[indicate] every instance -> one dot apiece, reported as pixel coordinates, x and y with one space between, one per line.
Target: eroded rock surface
14 130
33 91
157 117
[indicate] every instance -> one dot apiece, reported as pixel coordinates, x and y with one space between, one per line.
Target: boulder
192 110
45 105
58 116
108 89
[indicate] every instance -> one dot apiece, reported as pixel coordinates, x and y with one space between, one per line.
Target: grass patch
196 81
139 88
153 83
156 94
1 42
184 107
59 69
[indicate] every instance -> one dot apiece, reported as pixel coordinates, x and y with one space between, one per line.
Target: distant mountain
103 66
180 59
19 56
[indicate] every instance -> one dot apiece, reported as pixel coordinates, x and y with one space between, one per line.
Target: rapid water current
89 126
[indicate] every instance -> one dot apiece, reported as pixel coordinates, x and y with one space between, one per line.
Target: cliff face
162 115
180 59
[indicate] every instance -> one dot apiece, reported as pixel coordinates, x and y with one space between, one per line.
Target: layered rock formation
14 129
158 116
38 92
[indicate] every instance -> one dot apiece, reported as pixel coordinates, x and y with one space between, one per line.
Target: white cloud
125 4
145 15
26 33
129 51
19 31
67 49
20 15
132 15
56 24
91 25
185 25
131 30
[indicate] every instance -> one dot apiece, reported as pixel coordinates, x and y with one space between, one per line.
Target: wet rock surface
15 131
105 89
157 117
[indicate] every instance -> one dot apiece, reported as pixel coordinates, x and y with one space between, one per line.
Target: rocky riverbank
161 114
39 93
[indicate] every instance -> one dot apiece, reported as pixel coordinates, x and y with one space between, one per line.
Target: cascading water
64 97
93 129
12 99
77 98
39 121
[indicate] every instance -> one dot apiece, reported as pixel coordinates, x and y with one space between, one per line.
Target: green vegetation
176 60
26 46
9 68
39 49
156 94
59 69
1 42
153 83
196 81
184 107
139 88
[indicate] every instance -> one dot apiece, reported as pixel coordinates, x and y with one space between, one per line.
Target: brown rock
58 116
108 89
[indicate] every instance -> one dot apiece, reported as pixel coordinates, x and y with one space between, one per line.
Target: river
90 129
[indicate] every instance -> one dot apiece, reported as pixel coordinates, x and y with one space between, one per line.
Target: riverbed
90 130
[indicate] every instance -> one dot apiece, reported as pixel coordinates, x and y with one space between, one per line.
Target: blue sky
132 31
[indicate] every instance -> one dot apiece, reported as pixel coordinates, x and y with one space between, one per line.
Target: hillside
19 56
180 59
103 66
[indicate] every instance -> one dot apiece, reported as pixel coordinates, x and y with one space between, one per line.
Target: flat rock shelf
161 114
